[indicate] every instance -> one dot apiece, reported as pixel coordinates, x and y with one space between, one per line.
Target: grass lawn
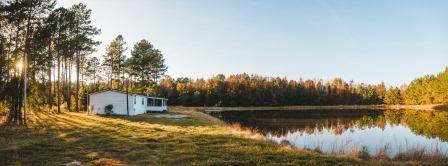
58 139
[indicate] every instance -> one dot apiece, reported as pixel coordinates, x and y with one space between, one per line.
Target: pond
342 131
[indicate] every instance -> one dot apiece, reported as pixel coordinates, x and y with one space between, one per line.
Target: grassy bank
332 107
78 138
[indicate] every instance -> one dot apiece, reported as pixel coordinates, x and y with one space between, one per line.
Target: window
135 99
143 101
158 102
150 102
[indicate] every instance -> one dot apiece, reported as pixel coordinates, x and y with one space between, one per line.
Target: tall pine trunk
69 84
50 64
59 75
111 73
25 63
59 84
77 84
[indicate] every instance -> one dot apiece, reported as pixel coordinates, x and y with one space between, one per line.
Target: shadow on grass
150 118
58 139
441 107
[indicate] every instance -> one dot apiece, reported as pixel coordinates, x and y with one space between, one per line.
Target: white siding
138 104
142 108
139 107
98 101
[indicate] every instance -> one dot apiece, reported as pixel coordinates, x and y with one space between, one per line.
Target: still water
338 131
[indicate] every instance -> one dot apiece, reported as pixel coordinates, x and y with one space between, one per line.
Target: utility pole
24 87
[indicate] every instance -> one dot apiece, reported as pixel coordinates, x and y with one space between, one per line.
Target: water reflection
335 131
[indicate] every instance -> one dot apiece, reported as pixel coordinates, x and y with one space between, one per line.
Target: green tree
392 96
91 69
115 58
430 89
83 42
146 63
59 25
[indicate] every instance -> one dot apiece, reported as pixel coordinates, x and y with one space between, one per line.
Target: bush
108 109
364 153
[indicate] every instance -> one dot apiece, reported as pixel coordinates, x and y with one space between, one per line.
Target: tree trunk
58 84
54 80
59 76
69 84
77 83
94 80
16 98
119 76
111 73
50 64
64 93
25 63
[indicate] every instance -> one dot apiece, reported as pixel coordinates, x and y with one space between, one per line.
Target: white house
134 104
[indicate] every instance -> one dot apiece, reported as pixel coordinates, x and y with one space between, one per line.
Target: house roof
120 91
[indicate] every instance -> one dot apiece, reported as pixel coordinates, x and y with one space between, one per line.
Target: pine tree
92 66
115 58
146 63
83 40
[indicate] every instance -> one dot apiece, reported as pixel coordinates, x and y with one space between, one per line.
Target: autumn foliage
255 90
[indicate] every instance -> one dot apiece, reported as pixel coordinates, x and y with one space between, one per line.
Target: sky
390 41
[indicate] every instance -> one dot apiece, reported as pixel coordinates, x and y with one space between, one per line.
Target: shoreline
435 107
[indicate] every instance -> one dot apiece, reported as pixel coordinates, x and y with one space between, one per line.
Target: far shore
335 107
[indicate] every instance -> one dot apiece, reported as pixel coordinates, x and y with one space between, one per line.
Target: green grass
58 139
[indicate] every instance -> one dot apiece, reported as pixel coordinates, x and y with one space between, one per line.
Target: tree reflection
431 124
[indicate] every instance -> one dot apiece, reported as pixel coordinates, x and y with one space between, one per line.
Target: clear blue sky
393 41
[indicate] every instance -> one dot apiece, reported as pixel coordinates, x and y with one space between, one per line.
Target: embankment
332 107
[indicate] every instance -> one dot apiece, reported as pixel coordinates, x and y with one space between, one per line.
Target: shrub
364 153
108 109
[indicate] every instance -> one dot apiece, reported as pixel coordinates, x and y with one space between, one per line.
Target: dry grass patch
59 139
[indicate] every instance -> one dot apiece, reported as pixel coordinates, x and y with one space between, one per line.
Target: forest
50 50
255 90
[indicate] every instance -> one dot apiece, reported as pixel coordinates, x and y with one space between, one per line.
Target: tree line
255 90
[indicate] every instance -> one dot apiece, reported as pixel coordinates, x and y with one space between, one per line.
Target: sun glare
19 65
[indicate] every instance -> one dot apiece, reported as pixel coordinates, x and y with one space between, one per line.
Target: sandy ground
172 116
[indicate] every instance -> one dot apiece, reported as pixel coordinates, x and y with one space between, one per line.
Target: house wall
98 101
139 105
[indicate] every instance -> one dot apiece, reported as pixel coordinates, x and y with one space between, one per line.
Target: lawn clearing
58 139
